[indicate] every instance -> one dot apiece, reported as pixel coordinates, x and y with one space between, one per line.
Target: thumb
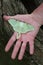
18 17
5 17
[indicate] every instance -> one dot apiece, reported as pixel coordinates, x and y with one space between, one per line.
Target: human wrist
37 18
38 14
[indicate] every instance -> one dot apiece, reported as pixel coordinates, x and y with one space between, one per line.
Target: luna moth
20 27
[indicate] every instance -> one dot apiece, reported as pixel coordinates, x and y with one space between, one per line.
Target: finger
14 17
7 17
18 17
23 47
16 49
31 45
24 18
10 42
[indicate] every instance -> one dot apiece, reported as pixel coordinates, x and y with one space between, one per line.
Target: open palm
27 37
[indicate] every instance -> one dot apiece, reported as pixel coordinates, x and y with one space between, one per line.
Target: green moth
20 27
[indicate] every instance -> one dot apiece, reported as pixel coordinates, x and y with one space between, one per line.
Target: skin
27 37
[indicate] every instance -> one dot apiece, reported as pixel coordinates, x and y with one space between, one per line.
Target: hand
28 37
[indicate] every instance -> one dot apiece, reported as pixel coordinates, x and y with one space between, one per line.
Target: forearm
38 14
